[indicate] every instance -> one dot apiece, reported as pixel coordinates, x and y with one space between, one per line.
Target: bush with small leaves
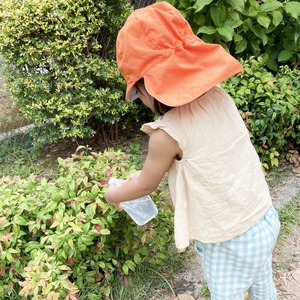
269 105
60 63
59 236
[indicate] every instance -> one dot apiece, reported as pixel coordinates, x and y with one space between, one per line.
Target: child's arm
162 151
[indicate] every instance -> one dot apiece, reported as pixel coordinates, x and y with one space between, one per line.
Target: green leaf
71 243
277 17
263 21
285 55
226 32
293 9
238 5
240 46
87 239
137 259
62 162
259 33
86 227
198 6
50 206
64 194
253 11
185 4
105 231
199 19
206 30
125 269
14 251
32 245
254 45
95 190
237 38
270 6
75 227
61 207
72 185
218 14
131 265
56 197
19 220
91 210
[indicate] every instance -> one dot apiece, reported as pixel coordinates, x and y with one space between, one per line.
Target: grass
276 175
20 163
146 282
289 216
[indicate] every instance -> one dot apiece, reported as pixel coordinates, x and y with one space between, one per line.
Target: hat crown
155 32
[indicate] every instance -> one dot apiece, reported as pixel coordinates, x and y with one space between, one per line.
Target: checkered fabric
243 263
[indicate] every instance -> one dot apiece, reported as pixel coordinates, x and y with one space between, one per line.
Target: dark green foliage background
247 28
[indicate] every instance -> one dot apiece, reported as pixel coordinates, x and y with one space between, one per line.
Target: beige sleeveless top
218 187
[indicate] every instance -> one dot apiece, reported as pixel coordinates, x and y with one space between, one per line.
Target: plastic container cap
141 210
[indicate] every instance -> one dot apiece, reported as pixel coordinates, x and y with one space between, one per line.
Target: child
221 198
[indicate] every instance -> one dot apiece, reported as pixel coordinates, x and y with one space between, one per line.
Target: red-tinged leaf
104 181
71 295
108 172
98 276
30 269
42 283
94 154
2 270
144 237
51 220
265 146
6 237
71 260
64 268
10 182
97 227
2 219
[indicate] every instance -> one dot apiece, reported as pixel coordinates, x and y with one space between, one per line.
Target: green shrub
60 62
248 27
58 236
270 106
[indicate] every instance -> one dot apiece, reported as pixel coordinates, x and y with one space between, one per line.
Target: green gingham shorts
243 263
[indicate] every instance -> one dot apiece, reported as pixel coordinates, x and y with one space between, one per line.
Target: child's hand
133 176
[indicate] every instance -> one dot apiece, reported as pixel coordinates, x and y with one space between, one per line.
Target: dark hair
159 107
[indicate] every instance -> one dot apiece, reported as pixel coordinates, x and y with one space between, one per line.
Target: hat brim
131 93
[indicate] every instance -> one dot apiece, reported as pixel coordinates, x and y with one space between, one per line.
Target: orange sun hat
158 44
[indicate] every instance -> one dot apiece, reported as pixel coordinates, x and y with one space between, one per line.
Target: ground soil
189 281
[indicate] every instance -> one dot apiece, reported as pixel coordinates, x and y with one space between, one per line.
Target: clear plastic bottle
141 210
